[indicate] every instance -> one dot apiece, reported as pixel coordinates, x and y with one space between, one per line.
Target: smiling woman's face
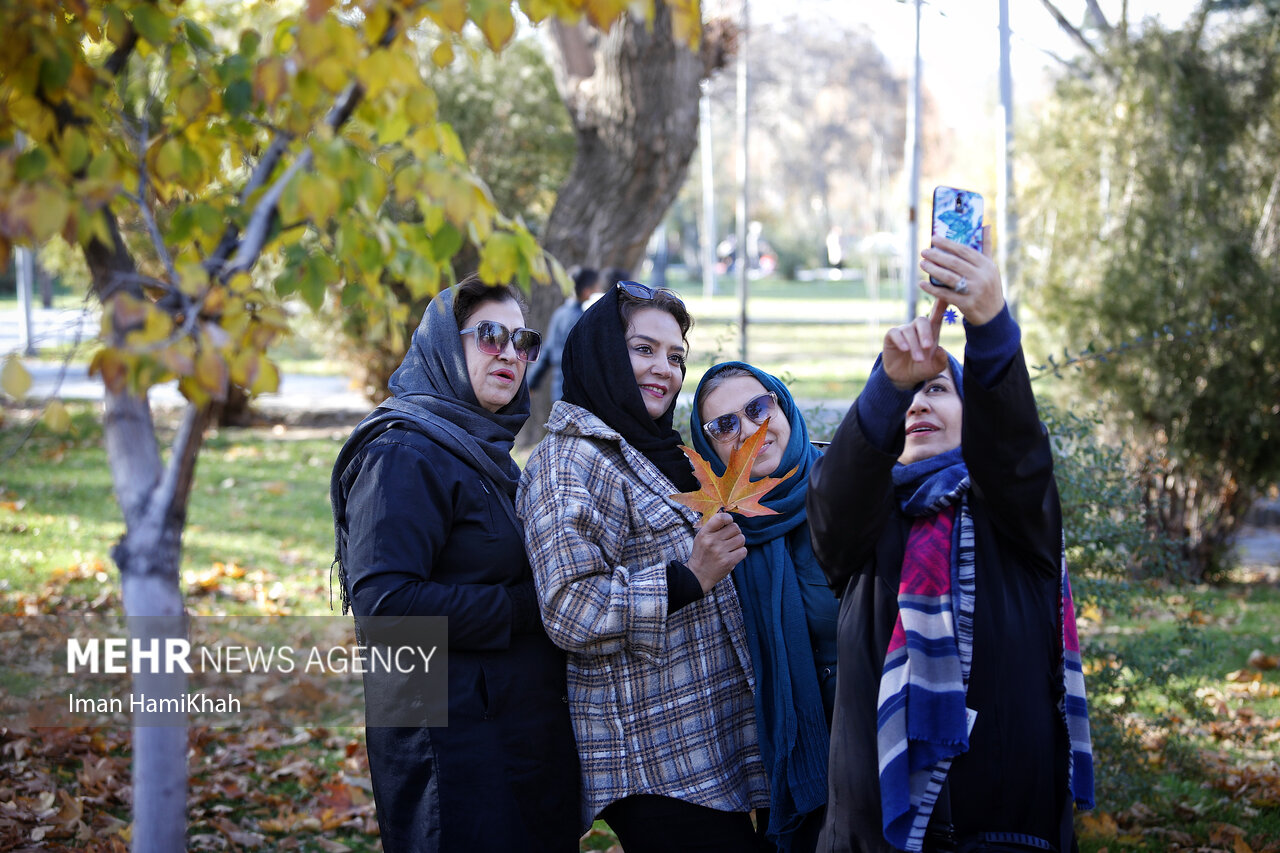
933 420
729 398
657 352
495 378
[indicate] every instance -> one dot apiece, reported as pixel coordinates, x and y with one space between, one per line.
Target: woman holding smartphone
660 680
960 721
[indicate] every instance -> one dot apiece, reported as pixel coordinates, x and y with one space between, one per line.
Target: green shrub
1149 221
1137 689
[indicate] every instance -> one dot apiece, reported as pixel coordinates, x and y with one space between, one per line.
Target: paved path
51 327
299 393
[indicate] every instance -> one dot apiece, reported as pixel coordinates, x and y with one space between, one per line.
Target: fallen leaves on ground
1260 660
269 789
256 787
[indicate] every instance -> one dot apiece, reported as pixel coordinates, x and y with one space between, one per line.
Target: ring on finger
962 286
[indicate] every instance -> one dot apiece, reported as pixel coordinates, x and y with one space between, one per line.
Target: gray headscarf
432 394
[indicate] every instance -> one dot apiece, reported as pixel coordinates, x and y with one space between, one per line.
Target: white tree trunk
153 498
153 605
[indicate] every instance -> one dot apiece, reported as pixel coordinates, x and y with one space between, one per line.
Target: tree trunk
633 97
153 497
148 557
1200 514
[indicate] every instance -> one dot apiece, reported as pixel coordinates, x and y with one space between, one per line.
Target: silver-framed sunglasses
727 427
492 337
636 290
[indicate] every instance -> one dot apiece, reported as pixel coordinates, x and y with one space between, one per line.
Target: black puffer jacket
424 534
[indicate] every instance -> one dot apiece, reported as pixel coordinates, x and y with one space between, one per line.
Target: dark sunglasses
492 337
726 427
637 290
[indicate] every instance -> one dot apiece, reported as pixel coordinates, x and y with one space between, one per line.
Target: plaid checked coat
661 704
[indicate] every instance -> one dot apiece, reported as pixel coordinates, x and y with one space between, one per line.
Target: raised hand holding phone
957 215
970 278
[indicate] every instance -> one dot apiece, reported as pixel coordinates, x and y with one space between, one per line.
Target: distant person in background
611 276
835 250
586 283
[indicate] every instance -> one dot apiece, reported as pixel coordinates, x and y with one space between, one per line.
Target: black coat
425 535
1014 776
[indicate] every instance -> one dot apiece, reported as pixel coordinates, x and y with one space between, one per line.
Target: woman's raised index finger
935 318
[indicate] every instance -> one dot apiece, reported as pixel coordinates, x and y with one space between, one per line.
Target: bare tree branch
1099 19
259 227
1265 234
111 266
144 207
270 159
1075 33
170 494
1198 23
120 56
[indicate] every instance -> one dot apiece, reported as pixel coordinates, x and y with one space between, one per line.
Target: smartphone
957 215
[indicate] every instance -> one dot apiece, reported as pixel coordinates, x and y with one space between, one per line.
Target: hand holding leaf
733 491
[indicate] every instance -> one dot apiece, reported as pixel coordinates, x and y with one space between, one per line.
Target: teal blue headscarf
790 717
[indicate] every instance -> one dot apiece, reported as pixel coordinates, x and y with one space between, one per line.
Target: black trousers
647 823
804 840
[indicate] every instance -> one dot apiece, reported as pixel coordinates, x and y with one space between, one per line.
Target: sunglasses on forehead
492 337
636 290
726 427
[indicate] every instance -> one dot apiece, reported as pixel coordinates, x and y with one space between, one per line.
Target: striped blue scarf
927 664
1074 705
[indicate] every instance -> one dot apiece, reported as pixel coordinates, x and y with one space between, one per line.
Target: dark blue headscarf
925 486
791 721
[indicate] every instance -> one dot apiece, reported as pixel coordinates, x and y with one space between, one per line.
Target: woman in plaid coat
660 680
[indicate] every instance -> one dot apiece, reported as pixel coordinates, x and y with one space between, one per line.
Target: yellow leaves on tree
603 13
14 378
495 20
686 22
450 14
733 491
219 97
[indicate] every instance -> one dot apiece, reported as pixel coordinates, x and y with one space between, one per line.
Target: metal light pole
708 195
25 267
25 263
741 252
1006 216
913 181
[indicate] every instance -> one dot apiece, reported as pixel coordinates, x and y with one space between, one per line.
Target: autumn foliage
733 491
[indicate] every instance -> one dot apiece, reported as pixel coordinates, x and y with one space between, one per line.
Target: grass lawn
259 543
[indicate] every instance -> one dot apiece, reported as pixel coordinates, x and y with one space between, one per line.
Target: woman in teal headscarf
789 611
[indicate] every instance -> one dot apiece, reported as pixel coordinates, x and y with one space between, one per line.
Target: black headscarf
598 377
432 393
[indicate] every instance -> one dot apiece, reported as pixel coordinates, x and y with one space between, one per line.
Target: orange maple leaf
732 491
